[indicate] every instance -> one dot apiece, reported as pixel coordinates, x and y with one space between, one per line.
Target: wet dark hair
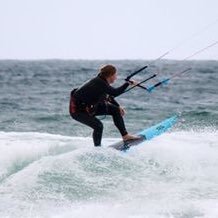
107 71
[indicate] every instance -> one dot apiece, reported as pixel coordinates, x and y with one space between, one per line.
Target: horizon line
96 59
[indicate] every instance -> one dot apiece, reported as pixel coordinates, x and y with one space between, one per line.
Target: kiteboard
146 134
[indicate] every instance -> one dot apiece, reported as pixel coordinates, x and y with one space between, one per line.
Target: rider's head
109 73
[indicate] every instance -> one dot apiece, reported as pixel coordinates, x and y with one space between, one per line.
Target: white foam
174 175
19 149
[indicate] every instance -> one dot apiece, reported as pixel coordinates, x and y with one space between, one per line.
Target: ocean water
50 169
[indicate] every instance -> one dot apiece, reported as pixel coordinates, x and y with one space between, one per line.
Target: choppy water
49 167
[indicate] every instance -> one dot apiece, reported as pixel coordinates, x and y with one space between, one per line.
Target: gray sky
107 29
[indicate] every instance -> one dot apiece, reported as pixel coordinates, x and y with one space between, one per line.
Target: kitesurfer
96 97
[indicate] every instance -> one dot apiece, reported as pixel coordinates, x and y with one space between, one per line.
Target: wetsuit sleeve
115 91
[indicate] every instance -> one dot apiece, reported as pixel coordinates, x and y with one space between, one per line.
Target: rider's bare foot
130 137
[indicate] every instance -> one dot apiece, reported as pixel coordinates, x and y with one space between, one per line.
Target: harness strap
72 106
78 106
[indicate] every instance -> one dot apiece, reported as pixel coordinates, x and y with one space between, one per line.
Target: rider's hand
133 82
122 111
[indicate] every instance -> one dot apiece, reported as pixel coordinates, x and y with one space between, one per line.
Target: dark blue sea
49 167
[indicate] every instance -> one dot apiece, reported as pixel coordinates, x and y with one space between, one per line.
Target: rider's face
111 79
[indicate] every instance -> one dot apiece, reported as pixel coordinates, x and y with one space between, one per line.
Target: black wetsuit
91 100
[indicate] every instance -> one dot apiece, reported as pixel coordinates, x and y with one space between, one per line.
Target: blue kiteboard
146 134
